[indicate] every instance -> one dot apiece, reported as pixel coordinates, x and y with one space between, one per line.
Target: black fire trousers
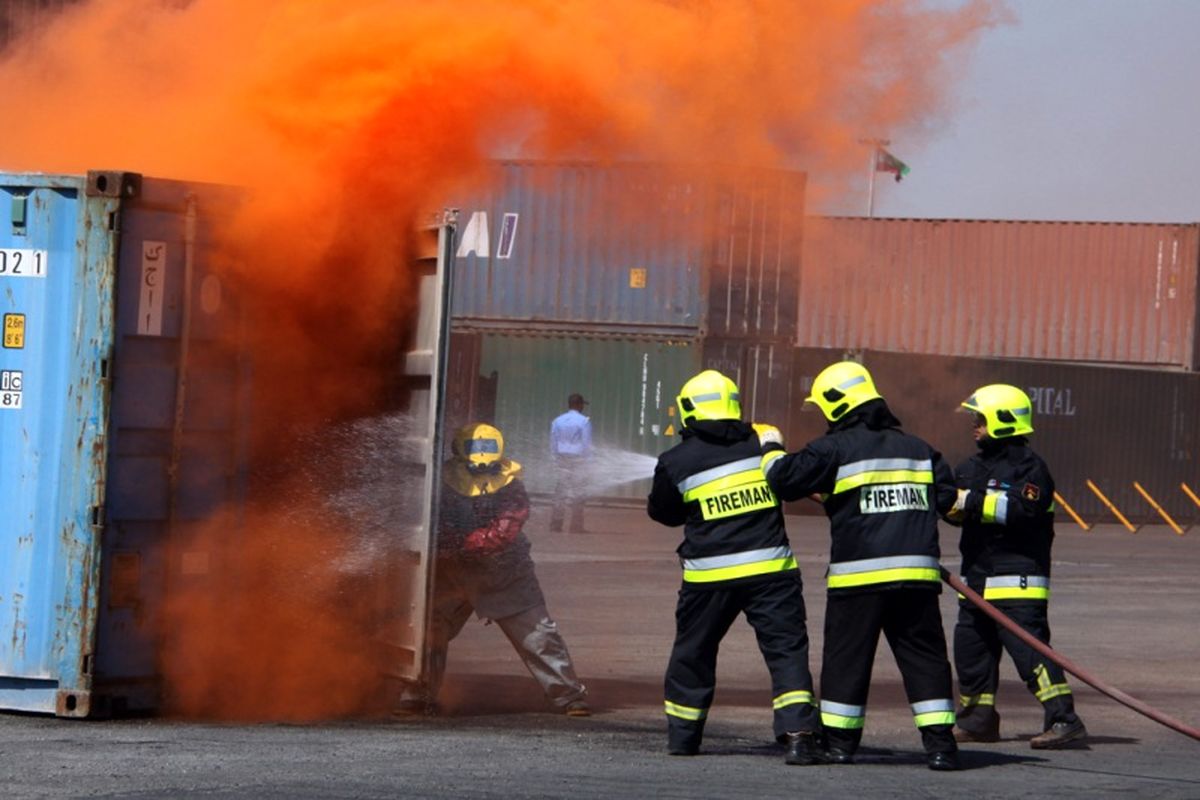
912 622
774 607
978 640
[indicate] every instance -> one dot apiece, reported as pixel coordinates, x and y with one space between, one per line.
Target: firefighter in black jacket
736 560
882 490
1006 507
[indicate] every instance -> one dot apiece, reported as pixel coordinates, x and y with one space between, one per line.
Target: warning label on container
17 262
10 389
14 331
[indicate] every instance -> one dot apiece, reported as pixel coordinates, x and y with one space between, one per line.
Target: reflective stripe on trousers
841 715
738 565
1016 587
867 571
933 712
684 712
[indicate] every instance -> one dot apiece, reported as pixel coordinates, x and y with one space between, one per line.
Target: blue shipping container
633 248
121 419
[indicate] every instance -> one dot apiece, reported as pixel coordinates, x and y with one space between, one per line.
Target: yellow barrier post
1161 511
1111 507
1190 493
1058 498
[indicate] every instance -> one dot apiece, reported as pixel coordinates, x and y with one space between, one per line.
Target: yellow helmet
1005 409
480 445
709 395
841 387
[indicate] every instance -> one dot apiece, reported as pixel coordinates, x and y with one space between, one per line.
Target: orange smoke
345 121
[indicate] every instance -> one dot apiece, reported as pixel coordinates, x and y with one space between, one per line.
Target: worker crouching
484 566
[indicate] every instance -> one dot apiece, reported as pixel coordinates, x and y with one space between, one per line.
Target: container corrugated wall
644 249
1110 425
1121 293
630 385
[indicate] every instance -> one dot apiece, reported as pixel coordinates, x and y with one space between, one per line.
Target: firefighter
736 560
484 566
1006 509
882 490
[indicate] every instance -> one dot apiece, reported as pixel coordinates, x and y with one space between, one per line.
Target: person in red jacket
484 567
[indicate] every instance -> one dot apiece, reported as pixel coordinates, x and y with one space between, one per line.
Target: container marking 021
20 262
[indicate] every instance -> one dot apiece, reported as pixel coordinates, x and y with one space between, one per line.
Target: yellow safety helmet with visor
709 396
1006 410
841 388
480 445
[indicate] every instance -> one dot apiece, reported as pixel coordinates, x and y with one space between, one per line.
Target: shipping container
1064 291
1108 425
630 386
762 371
567 247
124 419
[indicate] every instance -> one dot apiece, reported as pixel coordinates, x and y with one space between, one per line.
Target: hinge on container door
20 214
97 516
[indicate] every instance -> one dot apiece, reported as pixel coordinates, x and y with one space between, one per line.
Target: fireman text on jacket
884 499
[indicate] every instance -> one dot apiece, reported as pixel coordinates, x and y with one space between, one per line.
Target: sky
1070 110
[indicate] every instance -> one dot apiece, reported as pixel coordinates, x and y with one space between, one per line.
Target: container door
56 296
408 593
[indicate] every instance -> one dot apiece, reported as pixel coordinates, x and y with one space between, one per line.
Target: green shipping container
630 386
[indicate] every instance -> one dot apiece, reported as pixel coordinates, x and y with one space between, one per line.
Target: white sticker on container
17 262
11 386
150 302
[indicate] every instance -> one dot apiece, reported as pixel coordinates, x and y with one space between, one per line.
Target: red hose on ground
1065 663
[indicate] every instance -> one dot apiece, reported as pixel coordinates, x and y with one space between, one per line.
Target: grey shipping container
523 381
1066 291
1110 425
629 247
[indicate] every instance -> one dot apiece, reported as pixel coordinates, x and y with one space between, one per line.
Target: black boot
803 749
944 762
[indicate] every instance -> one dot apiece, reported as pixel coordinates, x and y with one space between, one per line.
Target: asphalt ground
1124 608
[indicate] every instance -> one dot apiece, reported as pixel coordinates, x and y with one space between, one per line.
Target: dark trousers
978 641
568 493
775 609
912 623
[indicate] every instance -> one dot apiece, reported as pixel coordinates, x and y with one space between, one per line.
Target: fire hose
1066 663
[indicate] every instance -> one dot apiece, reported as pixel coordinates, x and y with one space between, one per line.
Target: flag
886 162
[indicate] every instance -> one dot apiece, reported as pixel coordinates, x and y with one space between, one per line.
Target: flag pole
874 144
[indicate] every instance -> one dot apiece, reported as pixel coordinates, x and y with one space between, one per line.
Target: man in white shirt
571 446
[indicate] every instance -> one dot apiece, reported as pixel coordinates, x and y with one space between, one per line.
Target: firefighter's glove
958 511
768 435
492 538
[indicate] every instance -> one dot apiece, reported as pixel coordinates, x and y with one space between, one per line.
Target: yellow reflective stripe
969 700
769 459
883 476
685 712
934 718
739 570
883 576
1017 593
830 720
721 484
792 698
995 508
1053 690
